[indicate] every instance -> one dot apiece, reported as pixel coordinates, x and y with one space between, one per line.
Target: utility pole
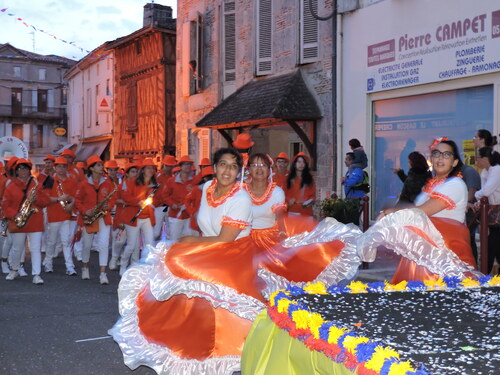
33 38
333 17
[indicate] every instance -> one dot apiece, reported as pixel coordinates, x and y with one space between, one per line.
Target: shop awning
91 148
278 98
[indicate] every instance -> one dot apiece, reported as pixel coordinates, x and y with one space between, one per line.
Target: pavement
382 268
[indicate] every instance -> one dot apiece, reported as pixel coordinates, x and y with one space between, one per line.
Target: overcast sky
87 23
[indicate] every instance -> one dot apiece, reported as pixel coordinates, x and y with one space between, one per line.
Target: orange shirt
132 194
76 173
300 195
89 194
174 193
15 194
280 180
192 203
55 212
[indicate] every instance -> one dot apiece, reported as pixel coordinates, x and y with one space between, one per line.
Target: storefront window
408 124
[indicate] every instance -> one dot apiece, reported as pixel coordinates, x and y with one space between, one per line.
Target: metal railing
31 112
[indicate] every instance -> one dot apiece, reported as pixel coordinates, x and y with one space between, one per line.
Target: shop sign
60 131
452 49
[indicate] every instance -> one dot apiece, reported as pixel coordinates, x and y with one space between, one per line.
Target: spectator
360 158
473 181
483 138
353 177
417 177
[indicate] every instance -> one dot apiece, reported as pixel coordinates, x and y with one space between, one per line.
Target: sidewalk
382 268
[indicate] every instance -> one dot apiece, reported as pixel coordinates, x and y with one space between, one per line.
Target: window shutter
204 143
309 37
264 37
132 125
229 44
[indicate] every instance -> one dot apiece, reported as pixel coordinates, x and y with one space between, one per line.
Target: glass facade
408 124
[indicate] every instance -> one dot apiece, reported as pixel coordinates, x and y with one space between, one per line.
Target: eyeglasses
258 165
436 154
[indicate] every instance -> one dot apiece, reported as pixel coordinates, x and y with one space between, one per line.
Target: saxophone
97 210
27 208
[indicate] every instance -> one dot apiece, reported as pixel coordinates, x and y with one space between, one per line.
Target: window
108 90
88 112
42 98
131 124
97 68
138 47
408 124
96 105
195 55
36 136
42 74
264 37
17 71
17 101
296 147
229 42
18 131
309 37
64 95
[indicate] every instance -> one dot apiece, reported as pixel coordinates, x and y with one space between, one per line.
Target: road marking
94 339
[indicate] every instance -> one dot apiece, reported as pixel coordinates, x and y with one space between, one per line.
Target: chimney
157 15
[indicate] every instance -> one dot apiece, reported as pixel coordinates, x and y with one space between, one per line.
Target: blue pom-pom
364 351
324 330
485 279
342 338
295 290
415 285
337 289
387 365
451 281
376 286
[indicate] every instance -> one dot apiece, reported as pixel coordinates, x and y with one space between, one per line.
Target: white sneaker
49 267
113 263
103 279
85 274
37 280
5 267
22 272
71 271
122 270
12 275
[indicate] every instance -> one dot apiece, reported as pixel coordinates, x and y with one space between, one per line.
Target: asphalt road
41 326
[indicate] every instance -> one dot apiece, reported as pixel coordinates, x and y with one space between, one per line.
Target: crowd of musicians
73 208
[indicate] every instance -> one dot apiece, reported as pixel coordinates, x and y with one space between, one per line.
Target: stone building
33 100
257 66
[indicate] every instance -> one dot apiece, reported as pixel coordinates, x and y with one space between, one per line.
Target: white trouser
160 217
102 237
19 246
63 231
143 228
178 228
117 242
7 248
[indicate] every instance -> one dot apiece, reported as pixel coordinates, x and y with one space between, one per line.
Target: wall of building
429 40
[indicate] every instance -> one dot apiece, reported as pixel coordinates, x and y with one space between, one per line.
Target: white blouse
490 185
236 210
264 214
453 192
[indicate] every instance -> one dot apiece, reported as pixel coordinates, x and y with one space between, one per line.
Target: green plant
343 210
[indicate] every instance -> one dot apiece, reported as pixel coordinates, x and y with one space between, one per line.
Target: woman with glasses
489 160
189 308
444 201
270 226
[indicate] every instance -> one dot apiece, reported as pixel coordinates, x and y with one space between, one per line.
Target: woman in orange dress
188 309
443 247
301 190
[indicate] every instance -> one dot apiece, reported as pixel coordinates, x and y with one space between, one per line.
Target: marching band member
193 199
176 190
111 167
119 235
73 170
3 222
167 165
138 214
301 190
48 170
204 163
22 206
94 197
61 190
281 174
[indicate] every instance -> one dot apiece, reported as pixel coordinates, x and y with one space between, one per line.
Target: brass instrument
60 193
27 208
145 203
4 226
97 210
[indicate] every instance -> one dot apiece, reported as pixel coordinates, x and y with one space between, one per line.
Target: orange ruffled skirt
457 239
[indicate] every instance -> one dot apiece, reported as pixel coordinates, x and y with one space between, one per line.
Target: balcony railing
31 112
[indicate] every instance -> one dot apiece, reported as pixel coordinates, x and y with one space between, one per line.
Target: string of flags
5 11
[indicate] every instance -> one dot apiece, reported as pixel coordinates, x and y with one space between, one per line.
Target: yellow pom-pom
357 287
470 283
378 358
438 284
400 368
315 322
334 334
396 287
351 342
283 305
316 288
495 281
301 318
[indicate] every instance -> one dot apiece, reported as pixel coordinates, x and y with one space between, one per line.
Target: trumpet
146 202
60 193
